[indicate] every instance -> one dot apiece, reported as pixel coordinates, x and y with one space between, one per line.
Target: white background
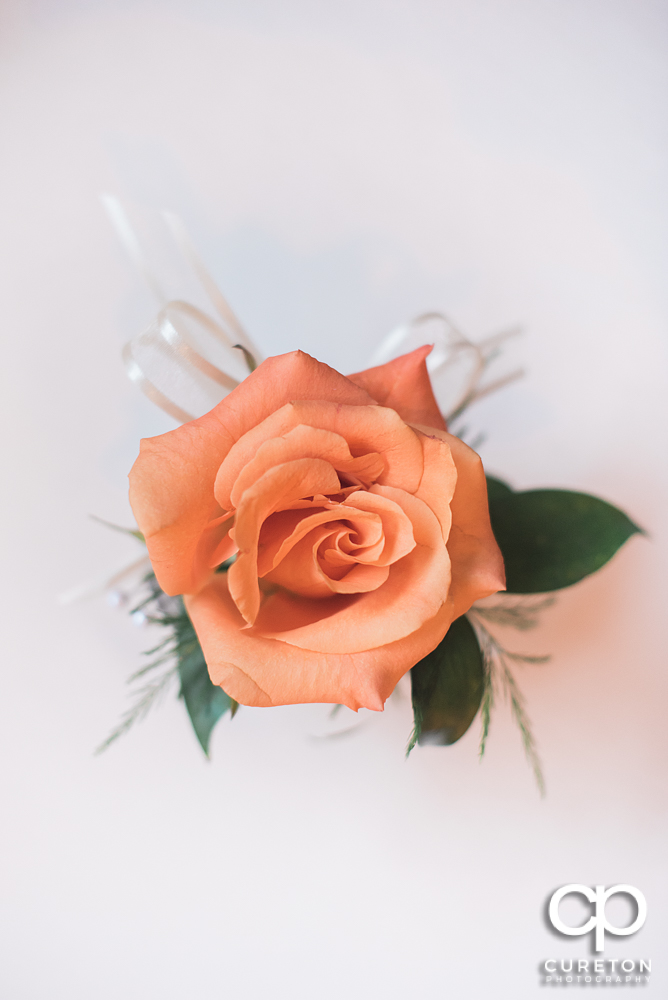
342 165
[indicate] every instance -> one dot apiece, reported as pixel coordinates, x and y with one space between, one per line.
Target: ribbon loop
456 365
185 361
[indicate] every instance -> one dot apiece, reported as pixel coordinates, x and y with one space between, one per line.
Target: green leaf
497 490
551 539
447 686
205 702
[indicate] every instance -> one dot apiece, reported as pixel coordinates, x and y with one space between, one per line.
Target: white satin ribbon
169 365
173 353
167 360
237 336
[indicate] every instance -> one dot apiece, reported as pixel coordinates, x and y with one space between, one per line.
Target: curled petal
215 544
404 385
305 442
172 500
366 429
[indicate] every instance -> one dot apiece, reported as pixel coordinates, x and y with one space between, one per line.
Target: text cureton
598 965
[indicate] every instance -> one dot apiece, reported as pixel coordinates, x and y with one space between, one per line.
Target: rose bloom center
341 543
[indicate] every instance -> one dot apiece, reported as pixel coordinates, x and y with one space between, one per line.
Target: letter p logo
598 920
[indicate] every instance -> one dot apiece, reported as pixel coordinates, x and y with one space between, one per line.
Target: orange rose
360 528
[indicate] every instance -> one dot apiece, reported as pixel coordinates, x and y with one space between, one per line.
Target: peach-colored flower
360 528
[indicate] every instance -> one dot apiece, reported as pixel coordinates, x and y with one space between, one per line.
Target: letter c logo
598 920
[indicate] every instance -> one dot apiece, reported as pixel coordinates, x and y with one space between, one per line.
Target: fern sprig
521 613
497 671
148 696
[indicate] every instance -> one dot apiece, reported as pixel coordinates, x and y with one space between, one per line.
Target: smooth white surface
342 167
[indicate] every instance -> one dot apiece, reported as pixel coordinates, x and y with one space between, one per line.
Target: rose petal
305 442
260 671
405 386
360 580
439 479
215 544
477 563
364 428
173 502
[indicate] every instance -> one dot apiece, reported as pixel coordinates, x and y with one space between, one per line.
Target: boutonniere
315 537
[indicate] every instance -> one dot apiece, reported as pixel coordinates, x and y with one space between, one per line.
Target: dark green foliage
551 539
204 701
447 686
496 490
